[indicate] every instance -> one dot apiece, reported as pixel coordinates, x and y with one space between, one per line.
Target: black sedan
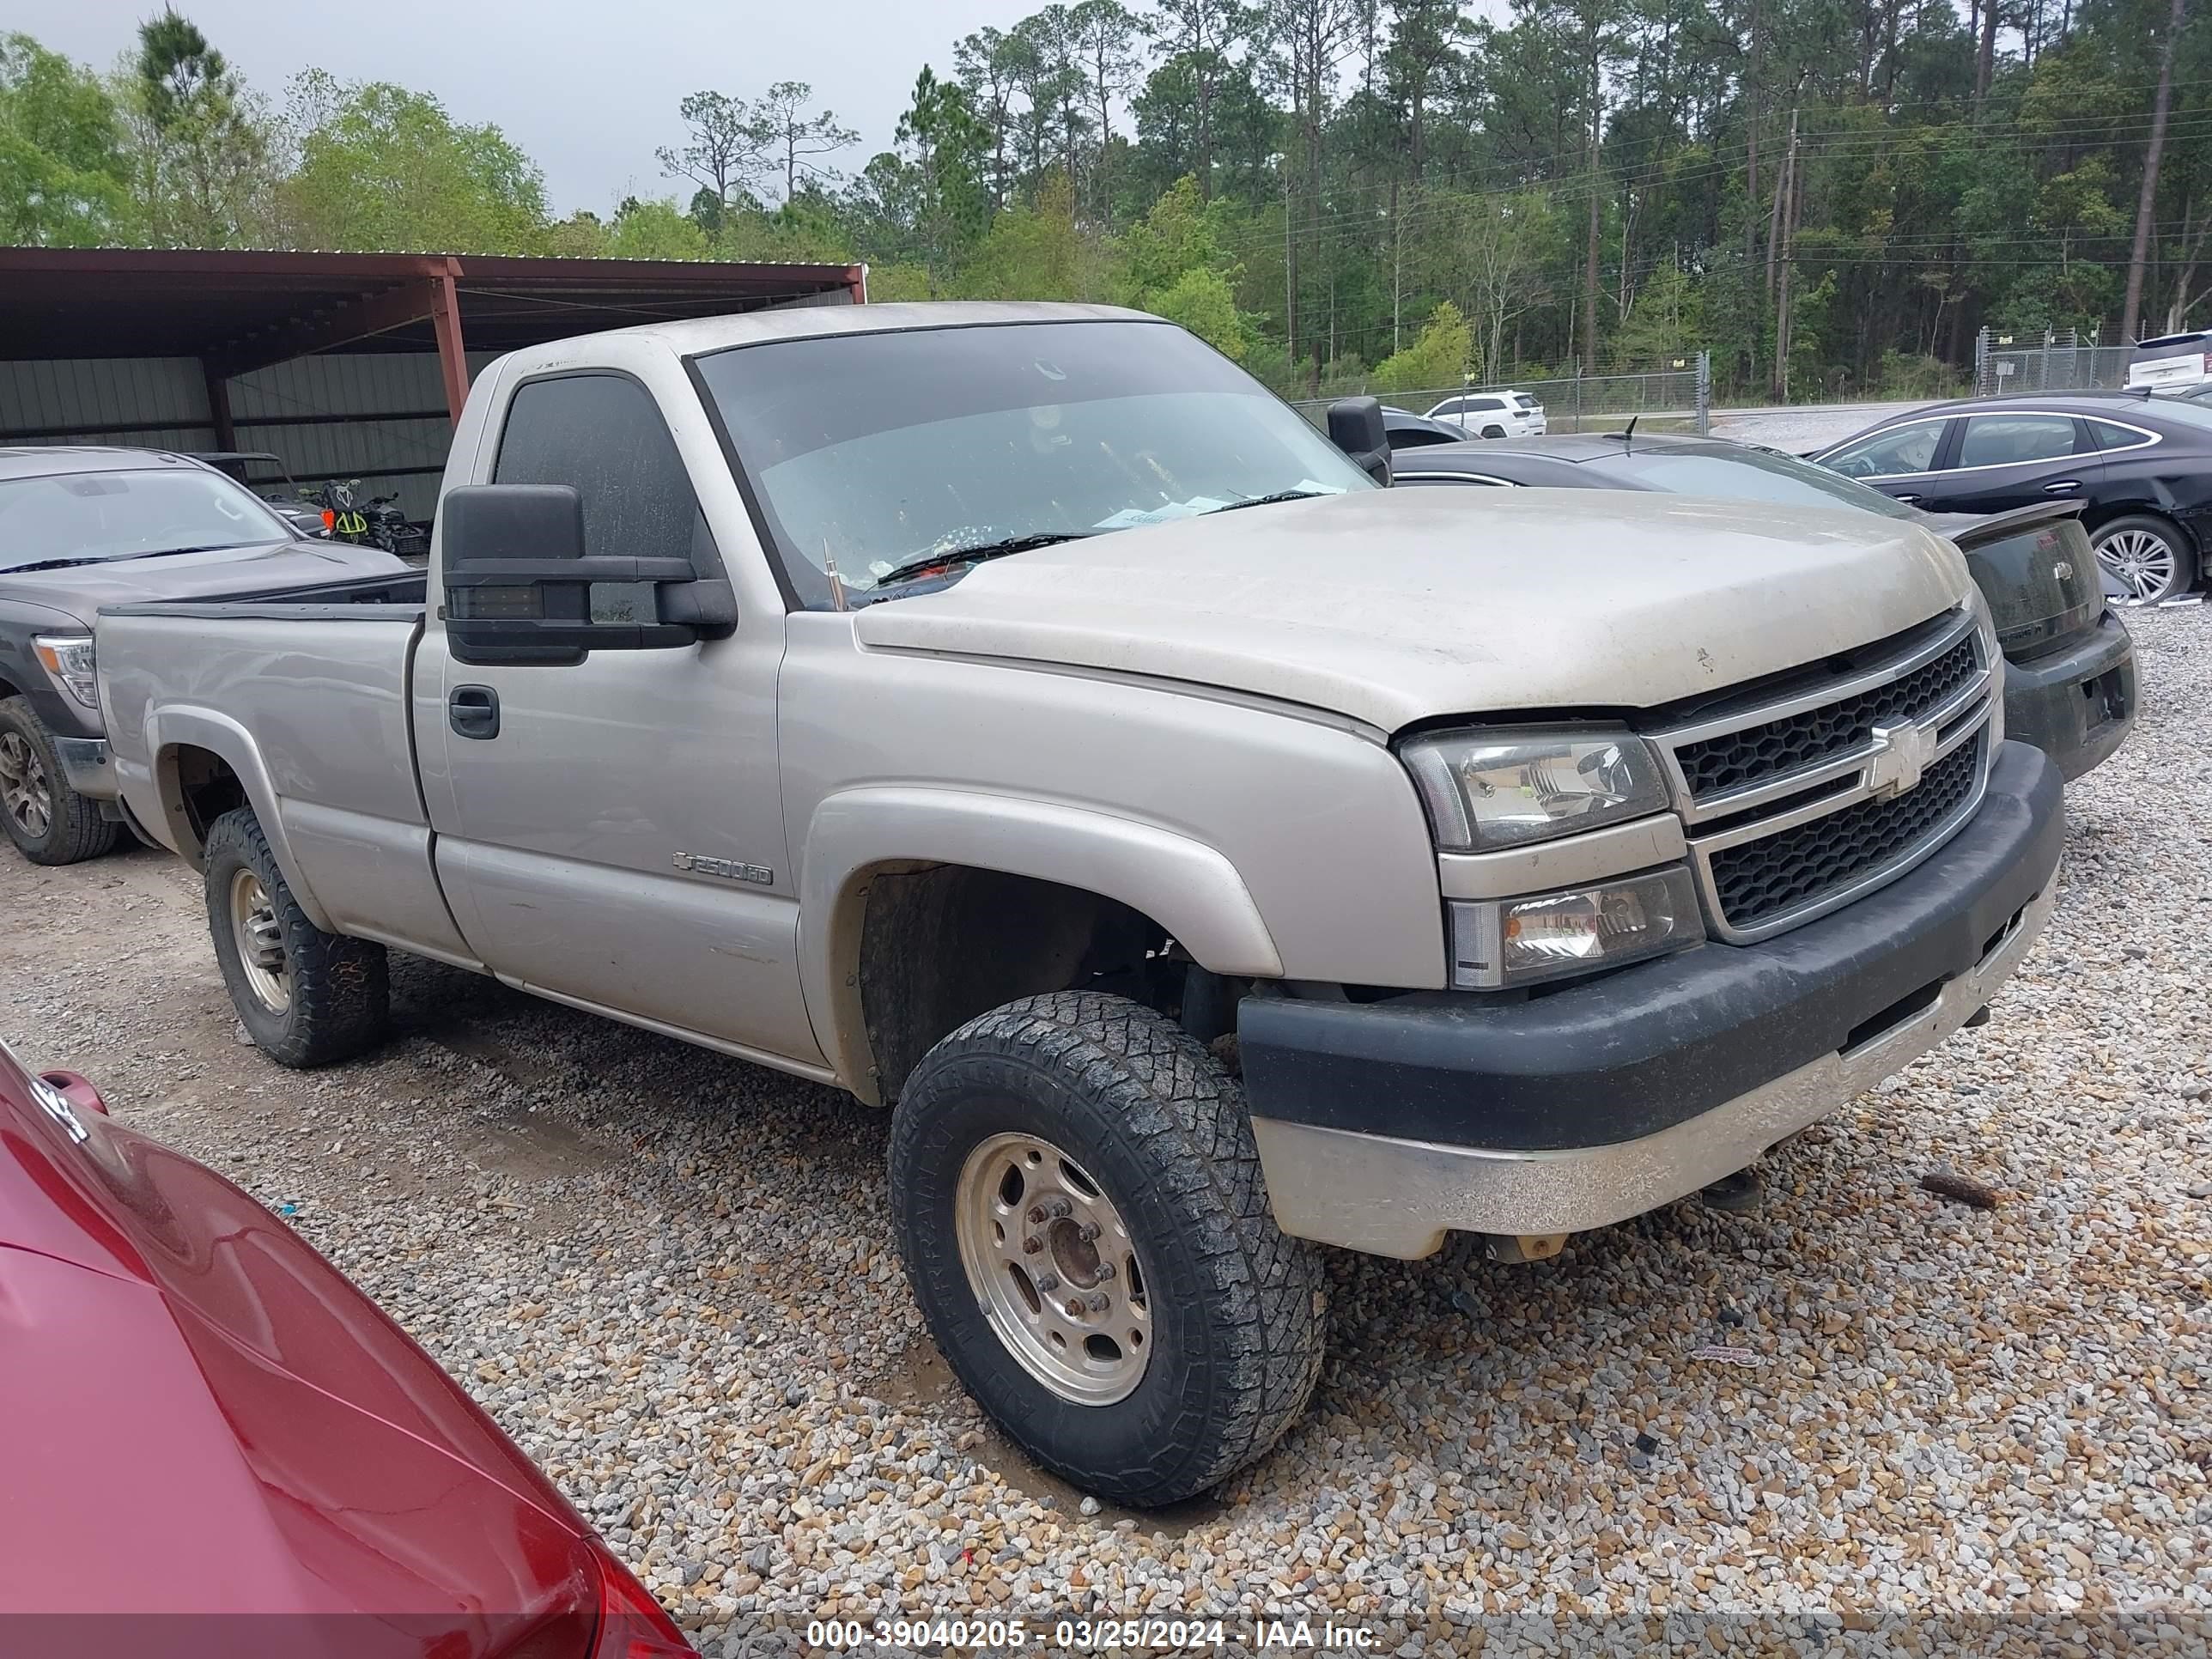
2069 668
1406 431
2141 468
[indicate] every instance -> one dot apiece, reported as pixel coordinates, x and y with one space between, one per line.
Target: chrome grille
1797 806
1813 735
1773 874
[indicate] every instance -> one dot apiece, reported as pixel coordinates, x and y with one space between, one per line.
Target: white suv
1493 414
2173 362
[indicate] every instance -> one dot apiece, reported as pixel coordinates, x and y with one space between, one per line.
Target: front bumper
1382 1126
2078 704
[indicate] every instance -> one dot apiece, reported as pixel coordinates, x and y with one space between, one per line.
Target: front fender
172 729
1188 888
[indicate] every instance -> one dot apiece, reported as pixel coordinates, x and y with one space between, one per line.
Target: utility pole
1785 214
1596 224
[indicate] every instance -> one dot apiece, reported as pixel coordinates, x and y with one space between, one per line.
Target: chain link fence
1570 403
2007 364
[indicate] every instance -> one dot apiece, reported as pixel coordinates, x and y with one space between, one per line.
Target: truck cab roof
694 337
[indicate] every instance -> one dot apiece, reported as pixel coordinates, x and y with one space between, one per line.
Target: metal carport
349 364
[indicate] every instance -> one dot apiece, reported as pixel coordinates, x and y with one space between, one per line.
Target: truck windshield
879 450
90 517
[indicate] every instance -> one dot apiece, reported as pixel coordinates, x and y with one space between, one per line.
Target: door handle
1910 500
2063 486
473 711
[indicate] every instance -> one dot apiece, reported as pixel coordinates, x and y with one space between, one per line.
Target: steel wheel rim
260 942
2142 559
25 794
1039 1237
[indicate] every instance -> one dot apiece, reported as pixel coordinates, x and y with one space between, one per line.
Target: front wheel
1079 1205
306 996
2151 557
49 822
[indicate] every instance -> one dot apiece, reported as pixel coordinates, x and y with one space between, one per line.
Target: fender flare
178 726
1188 888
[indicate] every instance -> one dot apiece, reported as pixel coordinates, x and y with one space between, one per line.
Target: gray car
2069 665
84 527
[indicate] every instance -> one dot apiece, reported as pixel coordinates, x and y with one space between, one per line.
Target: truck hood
81 590
1397 606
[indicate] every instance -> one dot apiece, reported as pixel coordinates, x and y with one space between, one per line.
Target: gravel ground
1797 426
670 1277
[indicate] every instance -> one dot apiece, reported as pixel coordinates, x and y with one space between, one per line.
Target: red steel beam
453 350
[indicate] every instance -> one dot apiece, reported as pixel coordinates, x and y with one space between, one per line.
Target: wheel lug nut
1074 1308
1060 1209
1037 1215
1032 1244
1101 1301
1105 1270
1089 1231
1048 1283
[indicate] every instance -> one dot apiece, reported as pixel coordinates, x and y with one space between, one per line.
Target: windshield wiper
1268 501
977 554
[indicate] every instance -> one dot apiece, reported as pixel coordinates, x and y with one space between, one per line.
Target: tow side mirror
518 583
1355 426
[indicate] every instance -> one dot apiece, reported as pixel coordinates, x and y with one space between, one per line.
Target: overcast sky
587 88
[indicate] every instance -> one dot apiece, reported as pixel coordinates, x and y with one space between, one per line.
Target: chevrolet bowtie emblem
1901 754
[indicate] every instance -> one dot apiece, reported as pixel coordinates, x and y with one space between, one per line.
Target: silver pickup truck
1015 715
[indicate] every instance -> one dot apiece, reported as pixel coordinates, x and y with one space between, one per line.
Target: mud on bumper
1382 1126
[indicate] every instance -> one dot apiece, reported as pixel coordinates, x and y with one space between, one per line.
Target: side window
2111 435
602 434
2010 439
1900 449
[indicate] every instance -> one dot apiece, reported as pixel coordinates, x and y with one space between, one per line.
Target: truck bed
304 698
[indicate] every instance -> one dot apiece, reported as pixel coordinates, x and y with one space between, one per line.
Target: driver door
615 838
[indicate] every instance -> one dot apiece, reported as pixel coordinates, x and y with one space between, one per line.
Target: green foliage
1203 303
1313 185
64 174
200 142
1036 253
1174 265
387 168
1438 357
656 230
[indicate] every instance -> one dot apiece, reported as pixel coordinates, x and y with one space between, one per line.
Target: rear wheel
2149 554
306 996
1079 1205
1493 432
49 822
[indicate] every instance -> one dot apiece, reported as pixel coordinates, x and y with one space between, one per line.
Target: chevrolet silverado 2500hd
989 709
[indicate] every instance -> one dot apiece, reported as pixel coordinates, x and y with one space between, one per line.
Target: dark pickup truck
81 528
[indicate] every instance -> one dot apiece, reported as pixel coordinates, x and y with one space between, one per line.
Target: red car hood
208 1418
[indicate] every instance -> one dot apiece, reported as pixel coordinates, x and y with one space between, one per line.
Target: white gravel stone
670 1277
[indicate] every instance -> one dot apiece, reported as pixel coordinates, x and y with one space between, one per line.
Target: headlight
1506 942
68 658
1485 790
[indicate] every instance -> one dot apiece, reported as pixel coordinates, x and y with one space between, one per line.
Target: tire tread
341 992
1187 1117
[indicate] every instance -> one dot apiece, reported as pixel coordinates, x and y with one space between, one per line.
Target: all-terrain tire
1238 1308
339 996
72 829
